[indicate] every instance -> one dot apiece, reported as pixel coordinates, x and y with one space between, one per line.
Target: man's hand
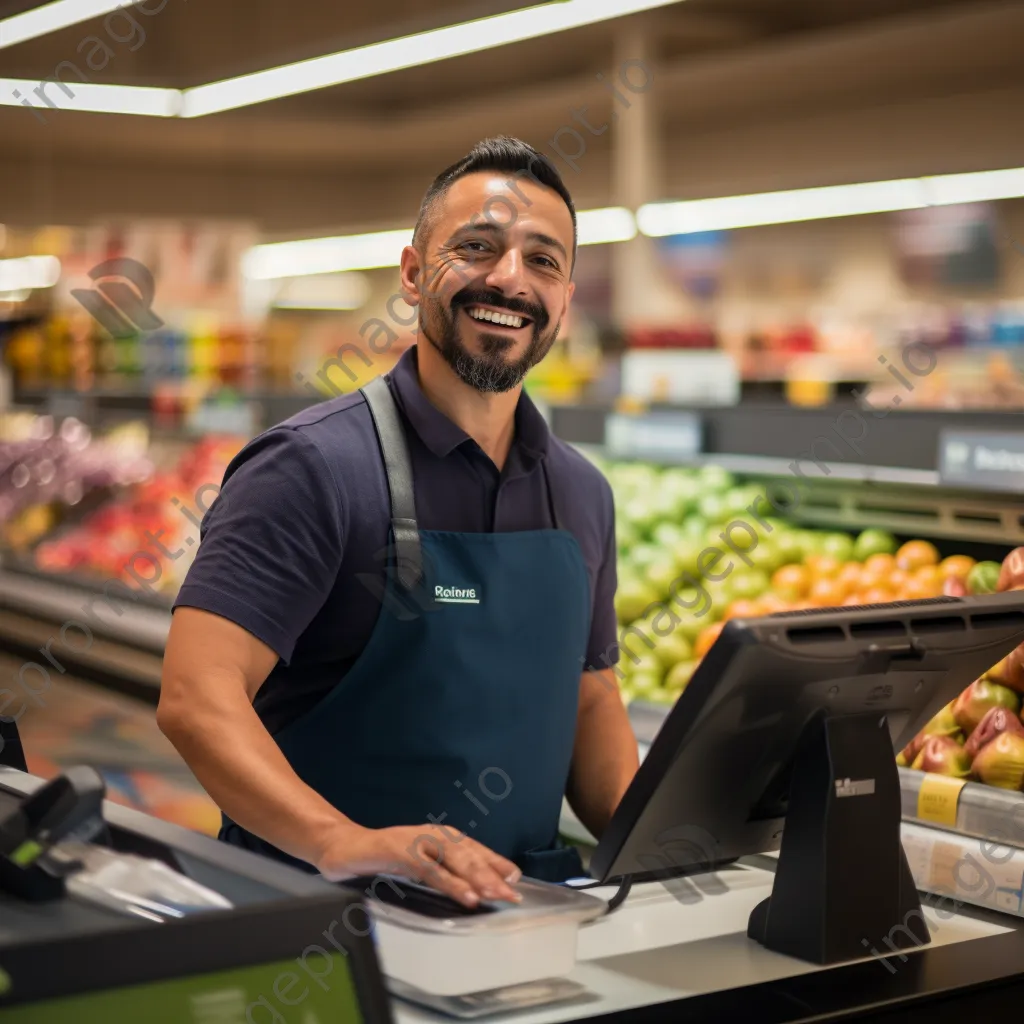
441 857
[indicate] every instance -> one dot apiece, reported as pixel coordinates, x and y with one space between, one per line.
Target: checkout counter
675 950
826 931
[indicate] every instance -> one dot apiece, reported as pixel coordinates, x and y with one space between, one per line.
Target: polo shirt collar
440 434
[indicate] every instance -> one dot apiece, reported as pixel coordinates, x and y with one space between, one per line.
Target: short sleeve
603 648
271 542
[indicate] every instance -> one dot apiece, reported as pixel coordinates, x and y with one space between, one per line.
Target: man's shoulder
346 412
340 429
331 441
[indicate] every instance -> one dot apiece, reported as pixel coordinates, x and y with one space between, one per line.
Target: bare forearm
604 762
238 763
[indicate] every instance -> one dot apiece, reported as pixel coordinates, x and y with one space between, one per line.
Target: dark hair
501 153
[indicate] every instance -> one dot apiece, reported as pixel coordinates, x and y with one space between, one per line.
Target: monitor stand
843 888
11 753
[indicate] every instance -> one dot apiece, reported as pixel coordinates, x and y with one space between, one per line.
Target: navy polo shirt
304 516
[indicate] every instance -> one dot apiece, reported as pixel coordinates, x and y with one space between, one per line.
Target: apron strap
556 519
398 466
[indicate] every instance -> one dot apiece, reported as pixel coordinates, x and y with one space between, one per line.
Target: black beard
490 371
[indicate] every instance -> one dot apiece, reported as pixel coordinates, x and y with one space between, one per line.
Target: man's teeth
505 319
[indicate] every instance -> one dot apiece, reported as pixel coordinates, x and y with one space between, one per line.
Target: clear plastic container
453 953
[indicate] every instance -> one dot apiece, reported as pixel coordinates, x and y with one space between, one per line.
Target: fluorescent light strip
682 218
978 187
611 224
406 52
84 96
659 219
50 18
29 272
325 255
275 260
291 79
316 307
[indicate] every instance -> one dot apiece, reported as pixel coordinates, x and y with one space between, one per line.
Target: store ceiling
720 62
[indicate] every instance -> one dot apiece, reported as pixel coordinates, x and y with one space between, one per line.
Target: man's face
493 280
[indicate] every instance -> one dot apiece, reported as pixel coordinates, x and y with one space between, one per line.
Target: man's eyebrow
536 236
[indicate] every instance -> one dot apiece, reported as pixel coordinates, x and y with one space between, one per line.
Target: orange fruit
956 566
877 595
742 609
769 604
922 586
827 593
706 639
852 600
822 565
874 579
916 553
802 606
880 563
849 574
791 582
898 579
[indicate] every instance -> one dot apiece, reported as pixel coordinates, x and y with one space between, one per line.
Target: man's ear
412 272
569 292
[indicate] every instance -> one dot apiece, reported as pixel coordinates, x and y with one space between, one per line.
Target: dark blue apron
461 709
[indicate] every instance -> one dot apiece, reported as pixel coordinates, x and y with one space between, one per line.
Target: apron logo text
453 595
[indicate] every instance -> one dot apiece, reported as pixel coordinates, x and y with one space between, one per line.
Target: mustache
485 297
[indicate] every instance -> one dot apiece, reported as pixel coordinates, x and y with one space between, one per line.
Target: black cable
625 884
621 893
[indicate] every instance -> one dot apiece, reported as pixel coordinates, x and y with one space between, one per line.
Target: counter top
663 953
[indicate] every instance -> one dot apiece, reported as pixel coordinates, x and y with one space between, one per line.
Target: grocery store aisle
77 722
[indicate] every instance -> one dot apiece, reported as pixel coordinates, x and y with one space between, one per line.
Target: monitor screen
715 784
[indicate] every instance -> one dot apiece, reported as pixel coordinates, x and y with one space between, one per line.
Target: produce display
978 736
696 548
149 535
47 468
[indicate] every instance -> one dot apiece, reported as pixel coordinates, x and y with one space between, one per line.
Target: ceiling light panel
41 21
43 99
406 52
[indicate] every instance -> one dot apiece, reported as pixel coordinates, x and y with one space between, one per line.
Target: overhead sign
667 435
991 461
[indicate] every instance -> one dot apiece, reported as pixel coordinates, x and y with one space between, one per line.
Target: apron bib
461 709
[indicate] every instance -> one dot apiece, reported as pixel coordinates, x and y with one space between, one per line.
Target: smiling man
390 652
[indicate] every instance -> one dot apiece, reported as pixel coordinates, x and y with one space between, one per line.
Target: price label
61 406
938 798
224 418
981 459
666 436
